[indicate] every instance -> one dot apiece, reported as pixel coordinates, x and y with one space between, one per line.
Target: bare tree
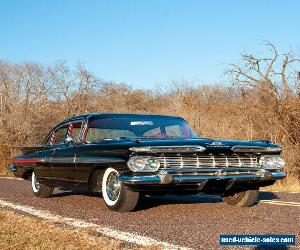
270 91
262 103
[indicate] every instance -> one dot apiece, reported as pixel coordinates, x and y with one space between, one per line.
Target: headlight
280 163
143 164
271 161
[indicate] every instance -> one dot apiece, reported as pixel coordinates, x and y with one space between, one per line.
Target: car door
66 141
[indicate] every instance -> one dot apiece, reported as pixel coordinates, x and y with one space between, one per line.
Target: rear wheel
38 189
116 196
242 199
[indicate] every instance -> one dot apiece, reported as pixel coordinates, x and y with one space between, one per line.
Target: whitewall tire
116 196
38 189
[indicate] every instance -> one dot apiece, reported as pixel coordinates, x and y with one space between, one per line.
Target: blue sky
146 43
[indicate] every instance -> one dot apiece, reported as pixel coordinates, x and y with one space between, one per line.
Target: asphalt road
190 221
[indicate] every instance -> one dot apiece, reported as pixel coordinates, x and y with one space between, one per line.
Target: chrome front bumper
202 175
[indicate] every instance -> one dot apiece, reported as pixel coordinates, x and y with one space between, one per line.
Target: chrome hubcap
113 186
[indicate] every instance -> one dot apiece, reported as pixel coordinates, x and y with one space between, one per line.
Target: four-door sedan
129 155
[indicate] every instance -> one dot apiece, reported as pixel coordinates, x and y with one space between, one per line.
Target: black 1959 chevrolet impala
129 155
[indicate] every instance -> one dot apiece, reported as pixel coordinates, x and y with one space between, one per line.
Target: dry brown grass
290 184
4 172
262 103
22 232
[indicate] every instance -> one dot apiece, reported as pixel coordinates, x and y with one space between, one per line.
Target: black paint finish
73 164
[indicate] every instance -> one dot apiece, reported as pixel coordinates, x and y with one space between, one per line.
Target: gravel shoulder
19 231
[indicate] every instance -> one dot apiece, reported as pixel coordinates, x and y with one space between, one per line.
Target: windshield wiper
138 139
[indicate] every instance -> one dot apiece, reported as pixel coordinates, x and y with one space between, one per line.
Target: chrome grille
208 160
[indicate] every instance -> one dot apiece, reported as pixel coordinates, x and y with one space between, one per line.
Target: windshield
138 127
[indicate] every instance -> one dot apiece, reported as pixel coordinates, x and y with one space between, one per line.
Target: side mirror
69 140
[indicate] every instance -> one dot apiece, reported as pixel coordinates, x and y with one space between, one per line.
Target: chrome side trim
256 149
168 149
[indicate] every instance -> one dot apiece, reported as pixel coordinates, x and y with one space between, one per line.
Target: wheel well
95 180
27 174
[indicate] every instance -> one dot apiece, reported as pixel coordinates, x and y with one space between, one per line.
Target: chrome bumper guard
170 176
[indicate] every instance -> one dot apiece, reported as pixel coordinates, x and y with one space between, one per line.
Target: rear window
59 135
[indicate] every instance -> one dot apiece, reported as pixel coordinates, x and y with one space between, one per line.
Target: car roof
109 115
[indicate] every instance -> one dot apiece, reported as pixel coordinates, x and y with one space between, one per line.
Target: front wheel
242 199
38 189
116 196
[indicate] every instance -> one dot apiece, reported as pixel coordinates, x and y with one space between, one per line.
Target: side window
74 130
48 141
60 135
